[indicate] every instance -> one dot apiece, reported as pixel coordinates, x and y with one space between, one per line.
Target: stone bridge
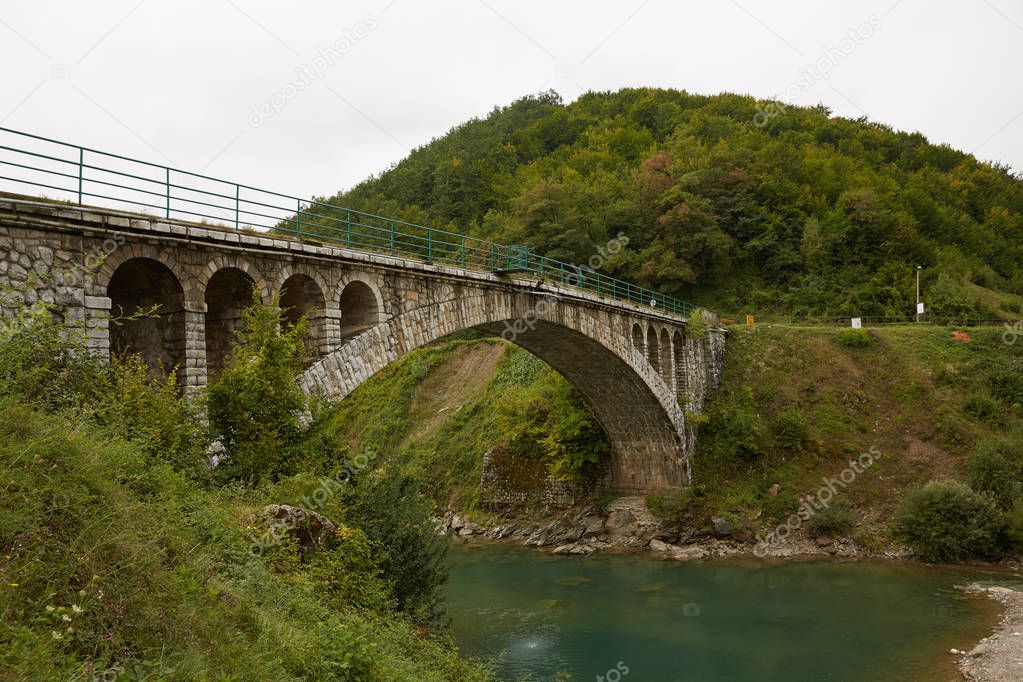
638 370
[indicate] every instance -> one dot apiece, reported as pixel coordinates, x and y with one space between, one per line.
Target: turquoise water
542 615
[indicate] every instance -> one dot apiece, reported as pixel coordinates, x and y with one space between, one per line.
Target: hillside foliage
809 214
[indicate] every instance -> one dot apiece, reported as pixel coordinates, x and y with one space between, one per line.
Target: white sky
174 81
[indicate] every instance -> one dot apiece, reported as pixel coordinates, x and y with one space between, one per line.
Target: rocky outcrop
312 531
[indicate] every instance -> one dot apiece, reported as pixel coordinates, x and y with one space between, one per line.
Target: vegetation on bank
123 555
798 405
808 215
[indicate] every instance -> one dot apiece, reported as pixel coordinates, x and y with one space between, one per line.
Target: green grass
913 392
110 560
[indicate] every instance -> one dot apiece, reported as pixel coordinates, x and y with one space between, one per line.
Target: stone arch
644 423
220 263
361 308
139 285
126 252
302 296
637 337
678 348
665 358
227 293
653 349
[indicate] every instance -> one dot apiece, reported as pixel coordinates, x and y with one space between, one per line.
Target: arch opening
653 349
359 310
681 375
140 285
228 293
637 337
302 297
665 357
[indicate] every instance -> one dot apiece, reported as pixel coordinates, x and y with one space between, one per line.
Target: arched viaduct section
640 372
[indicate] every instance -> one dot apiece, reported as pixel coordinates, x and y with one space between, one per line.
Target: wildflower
13 584
50 609
55 634
81 593
66 618
76 608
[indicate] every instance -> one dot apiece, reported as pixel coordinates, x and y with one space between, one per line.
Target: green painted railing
81 175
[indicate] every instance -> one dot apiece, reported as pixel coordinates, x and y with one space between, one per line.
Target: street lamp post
918 293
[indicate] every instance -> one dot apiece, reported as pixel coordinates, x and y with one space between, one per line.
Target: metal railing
80 174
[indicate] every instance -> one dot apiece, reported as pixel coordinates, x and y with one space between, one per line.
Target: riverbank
626 525
999 656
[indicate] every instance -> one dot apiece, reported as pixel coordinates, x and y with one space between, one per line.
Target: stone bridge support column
331 340
193 375
96 318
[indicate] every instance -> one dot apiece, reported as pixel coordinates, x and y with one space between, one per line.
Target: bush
947 521
992 473
984 408
255 403
854 338
390 508
790 429
835 520
734 429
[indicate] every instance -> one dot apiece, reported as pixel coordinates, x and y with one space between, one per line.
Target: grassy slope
435 410
161 571
912 393
922 399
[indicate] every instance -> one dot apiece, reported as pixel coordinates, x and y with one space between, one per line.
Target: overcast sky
311 97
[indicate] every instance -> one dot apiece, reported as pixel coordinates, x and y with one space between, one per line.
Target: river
633 617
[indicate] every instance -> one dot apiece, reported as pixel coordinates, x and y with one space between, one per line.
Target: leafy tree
255 403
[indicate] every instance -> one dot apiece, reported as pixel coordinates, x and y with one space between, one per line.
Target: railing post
298 219
237 205
429 244
463 252
597 274
168 191
81 165
348 235
392 237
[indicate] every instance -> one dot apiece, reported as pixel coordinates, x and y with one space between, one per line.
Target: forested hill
804 214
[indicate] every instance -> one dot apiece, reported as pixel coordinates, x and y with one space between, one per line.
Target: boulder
722 528
592 526
774 490
574 548
620 523
312 531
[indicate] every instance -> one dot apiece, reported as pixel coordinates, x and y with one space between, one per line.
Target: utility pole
918 293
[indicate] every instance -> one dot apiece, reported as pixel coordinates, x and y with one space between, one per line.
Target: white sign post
857 323
919 308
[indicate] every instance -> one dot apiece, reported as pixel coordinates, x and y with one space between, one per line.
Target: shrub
1006 384
734 429
390 508
984 408
790 429
835 520
548 421
947 521
255 403
854 338
992 473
